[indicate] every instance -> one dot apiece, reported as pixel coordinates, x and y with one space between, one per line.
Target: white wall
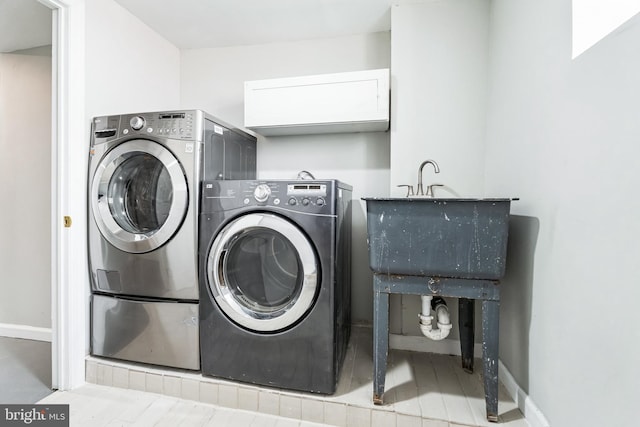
213 80
130 68
25 192
439 75
563 136
439 59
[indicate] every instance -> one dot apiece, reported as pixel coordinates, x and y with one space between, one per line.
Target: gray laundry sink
441 237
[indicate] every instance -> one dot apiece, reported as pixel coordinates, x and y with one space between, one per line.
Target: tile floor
101 406
422 389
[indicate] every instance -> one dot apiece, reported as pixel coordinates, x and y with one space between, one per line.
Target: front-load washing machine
145 172
275 290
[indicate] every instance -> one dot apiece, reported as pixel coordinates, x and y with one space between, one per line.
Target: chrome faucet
419 191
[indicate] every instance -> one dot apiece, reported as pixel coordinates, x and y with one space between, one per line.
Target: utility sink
438 237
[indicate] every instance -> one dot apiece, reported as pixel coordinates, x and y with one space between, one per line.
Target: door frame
69 302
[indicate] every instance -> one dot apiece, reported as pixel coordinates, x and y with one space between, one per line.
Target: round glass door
262 272
139 196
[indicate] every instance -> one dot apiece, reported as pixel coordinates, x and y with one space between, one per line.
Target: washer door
139 196
262 272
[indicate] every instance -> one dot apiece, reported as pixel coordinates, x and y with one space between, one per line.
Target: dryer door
263 272
139 196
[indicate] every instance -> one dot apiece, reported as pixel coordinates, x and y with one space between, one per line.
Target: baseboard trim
25 332
425 345
531 412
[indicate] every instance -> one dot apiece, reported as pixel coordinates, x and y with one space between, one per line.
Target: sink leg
466 324
380 343
490 334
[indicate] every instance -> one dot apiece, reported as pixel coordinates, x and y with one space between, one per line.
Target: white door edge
68 282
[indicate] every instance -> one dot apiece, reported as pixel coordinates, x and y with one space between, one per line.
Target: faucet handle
409 189
430 192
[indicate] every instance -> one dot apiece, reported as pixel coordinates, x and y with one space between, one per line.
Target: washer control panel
177 124
171 124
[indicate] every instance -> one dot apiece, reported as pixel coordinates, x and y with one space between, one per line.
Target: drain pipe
439 306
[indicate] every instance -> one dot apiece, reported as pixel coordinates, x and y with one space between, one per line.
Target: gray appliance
145 172
275 271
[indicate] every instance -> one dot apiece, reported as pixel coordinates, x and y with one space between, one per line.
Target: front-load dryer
145 172
275 290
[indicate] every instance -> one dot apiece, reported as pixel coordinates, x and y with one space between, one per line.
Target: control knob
136 122
262 193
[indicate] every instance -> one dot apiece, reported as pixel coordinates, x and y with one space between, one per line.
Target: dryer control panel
307 194
314 197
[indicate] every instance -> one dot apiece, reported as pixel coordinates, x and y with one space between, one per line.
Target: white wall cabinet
328 103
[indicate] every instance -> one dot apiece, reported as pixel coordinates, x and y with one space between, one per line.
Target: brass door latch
67 221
